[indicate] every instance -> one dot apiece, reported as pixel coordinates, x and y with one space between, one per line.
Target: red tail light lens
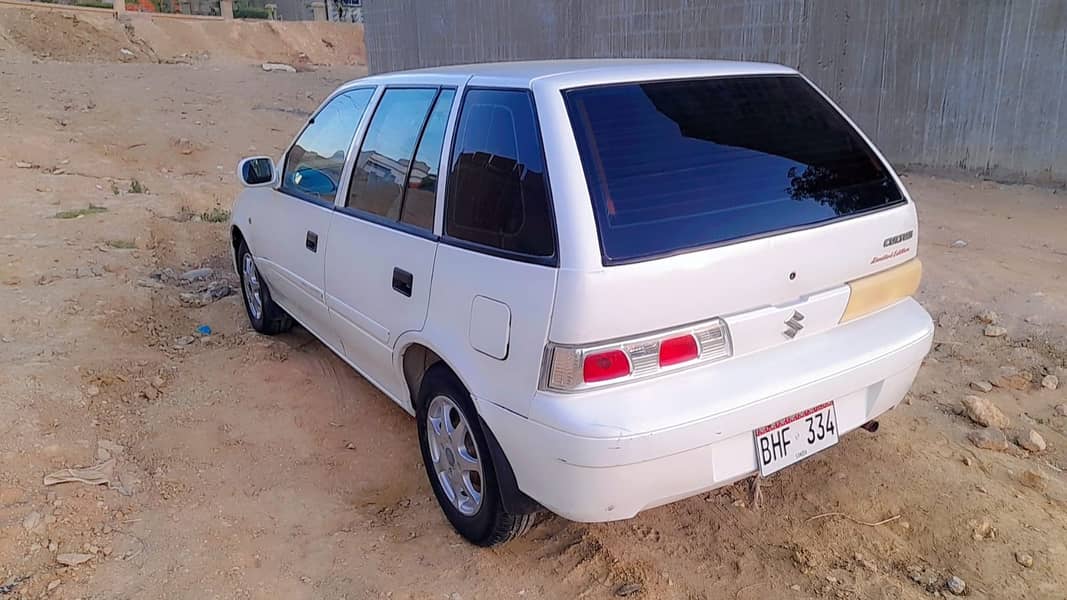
678 350
603 366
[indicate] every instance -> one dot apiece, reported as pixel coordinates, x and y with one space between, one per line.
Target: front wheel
265 316
458 462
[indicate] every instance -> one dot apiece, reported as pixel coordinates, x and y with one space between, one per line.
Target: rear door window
381 170
681 165
497 191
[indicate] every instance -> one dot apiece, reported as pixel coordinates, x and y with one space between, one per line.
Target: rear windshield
681 165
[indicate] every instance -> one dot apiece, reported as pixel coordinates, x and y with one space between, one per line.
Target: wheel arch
416 358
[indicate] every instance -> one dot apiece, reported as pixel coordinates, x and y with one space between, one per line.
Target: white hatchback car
599 286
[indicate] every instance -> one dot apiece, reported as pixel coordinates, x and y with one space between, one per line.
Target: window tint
497 190
382 165
684 164
418 205
314 163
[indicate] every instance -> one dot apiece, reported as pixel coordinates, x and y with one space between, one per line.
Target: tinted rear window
680 165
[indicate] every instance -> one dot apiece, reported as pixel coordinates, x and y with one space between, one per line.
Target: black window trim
370 217
613 262
311 121
548 261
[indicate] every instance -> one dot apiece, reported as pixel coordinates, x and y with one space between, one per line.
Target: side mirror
257 171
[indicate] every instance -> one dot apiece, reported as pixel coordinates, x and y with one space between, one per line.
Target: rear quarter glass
674 166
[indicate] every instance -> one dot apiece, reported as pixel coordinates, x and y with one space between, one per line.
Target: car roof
576 72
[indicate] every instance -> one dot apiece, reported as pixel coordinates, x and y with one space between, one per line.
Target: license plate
795 438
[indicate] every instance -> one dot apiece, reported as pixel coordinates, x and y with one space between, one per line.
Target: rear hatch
751 199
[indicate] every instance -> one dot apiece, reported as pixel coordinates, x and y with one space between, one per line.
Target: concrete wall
972 84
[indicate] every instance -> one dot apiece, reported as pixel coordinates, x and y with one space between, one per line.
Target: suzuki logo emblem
793 325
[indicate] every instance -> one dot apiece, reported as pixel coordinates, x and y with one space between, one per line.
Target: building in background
941 83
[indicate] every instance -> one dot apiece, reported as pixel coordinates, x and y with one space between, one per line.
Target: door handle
312 241
402 281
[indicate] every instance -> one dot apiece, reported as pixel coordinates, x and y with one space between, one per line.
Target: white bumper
609 454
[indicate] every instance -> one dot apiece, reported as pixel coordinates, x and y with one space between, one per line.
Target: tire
485 522
271 319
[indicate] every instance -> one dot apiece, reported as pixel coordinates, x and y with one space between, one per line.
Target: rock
988 317
984 530
73 559
150 393
956 585
1024 559
21 164
184 340
196 274
1050 382
984 412
995 331
959 244
31 521
628 589
1061 410
126 52
92 390
982 386
278 67
948 320
989 439
158 382
150 283
1035 480
1032 441
214 291
1016 381
53 584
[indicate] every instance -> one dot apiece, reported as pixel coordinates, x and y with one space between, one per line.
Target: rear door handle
402 281
312 241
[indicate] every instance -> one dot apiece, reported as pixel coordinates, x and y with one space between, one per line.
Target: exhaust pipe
870 426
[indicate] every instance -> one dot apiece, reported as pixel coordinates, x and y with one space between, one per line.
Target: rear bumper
610 454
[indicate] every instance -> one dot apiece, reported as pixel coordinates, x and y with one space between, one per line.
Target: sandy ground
266 468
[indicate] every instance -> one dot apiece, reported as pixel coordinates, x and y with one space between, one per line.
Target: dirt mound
96 36
68 36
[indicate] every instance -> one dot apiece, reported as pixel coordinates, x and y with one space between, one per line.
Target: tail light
572 368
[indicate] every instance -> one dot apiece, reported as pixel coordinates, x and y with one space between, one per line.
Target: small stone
73 559
959 244
1061 409
150 393
150 283
1024 559
184 340
31 521
995 331
92 391
53 584
196 274
989 439
984 530
982 386
984 412
158 382
1032 441
628 589
126 52
1050 382
956 585
1035 480
278 67
988 317
21 164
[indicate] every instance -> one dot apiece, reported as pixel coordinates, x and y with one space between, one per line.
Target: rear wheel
458 462
266 316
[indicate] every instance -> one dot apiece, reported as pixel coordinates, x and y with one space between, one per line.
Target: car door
290 236
381 249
